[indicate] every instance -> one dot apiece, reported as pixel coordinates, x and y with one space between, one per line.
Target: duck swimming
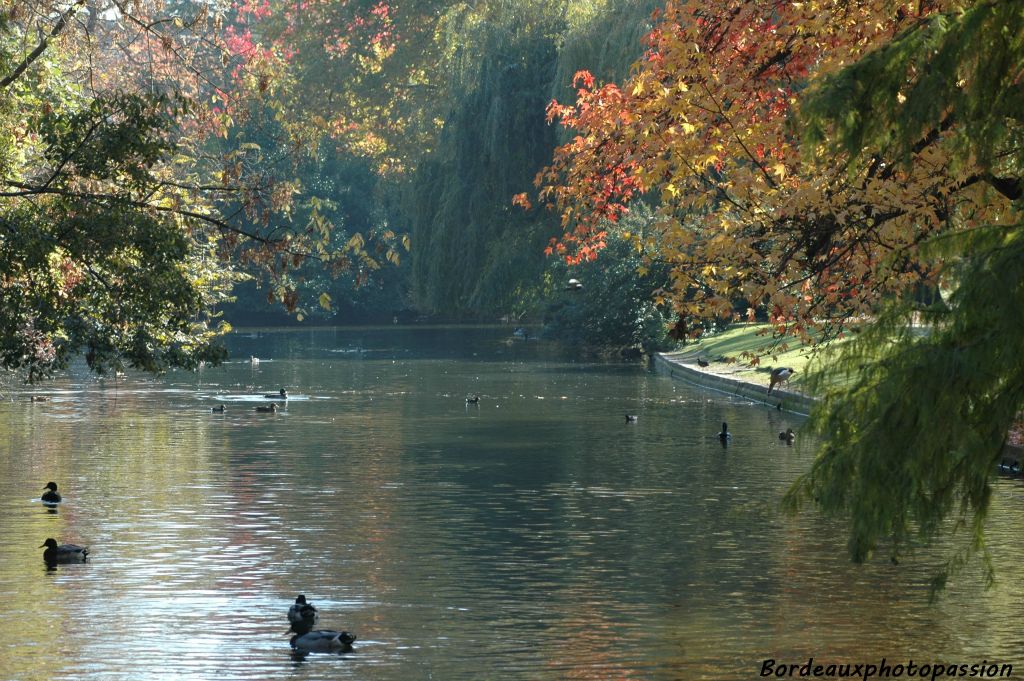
725 435
63 553
788 435
324 641
302 616
630 418
271 408
218 409
282 395
475 399
50 496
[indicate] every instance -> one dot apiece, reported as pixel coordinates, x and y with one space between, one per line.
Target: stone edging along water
790 401
798 403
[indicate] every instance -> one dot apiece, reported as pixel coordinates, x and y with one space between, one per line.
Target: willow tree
474 254
817 161
471 250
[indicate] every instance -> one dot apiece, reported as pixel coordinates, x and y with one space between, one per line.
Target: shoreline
683 366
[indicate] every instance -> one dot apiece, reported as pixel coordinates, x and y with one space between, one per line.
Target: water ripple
534 537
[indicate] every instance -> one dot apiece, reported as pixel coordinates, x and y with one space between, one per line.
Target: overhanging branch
44 42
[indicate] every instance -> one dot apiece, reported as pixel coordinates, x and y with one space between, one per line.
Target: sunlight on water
533 535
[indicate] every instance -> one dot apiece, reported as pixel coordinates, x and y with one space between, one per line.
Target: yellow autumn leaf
356 242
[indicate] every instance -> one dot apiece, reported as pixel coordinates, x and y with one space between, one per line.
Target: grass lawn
731 352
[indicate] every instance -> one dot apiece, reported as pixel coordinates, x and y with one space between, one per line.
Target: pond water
534 535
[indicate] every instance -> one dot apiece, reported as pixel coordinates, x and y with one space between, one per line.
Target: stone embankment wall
695 375
799 403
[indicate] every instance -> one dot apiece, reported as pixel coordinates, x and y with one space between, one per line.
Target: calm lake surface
536 535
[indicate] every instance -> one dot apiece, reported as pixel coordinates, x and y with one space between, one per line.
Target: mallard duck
219 408
788 435
50 496
38 398
281 395
630 418
324 641
271 408
779 375
302 616
63 553
725 435
475 399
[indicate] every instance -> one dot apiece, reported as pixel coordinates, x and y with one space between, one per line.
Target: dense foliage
96 245
129 201
475 255
824 162
931 394
610 303
443 103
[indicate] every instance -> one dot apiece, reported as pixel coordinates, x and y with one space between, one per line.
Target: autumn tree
818 161
704 125
360 75
929 395
128 202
